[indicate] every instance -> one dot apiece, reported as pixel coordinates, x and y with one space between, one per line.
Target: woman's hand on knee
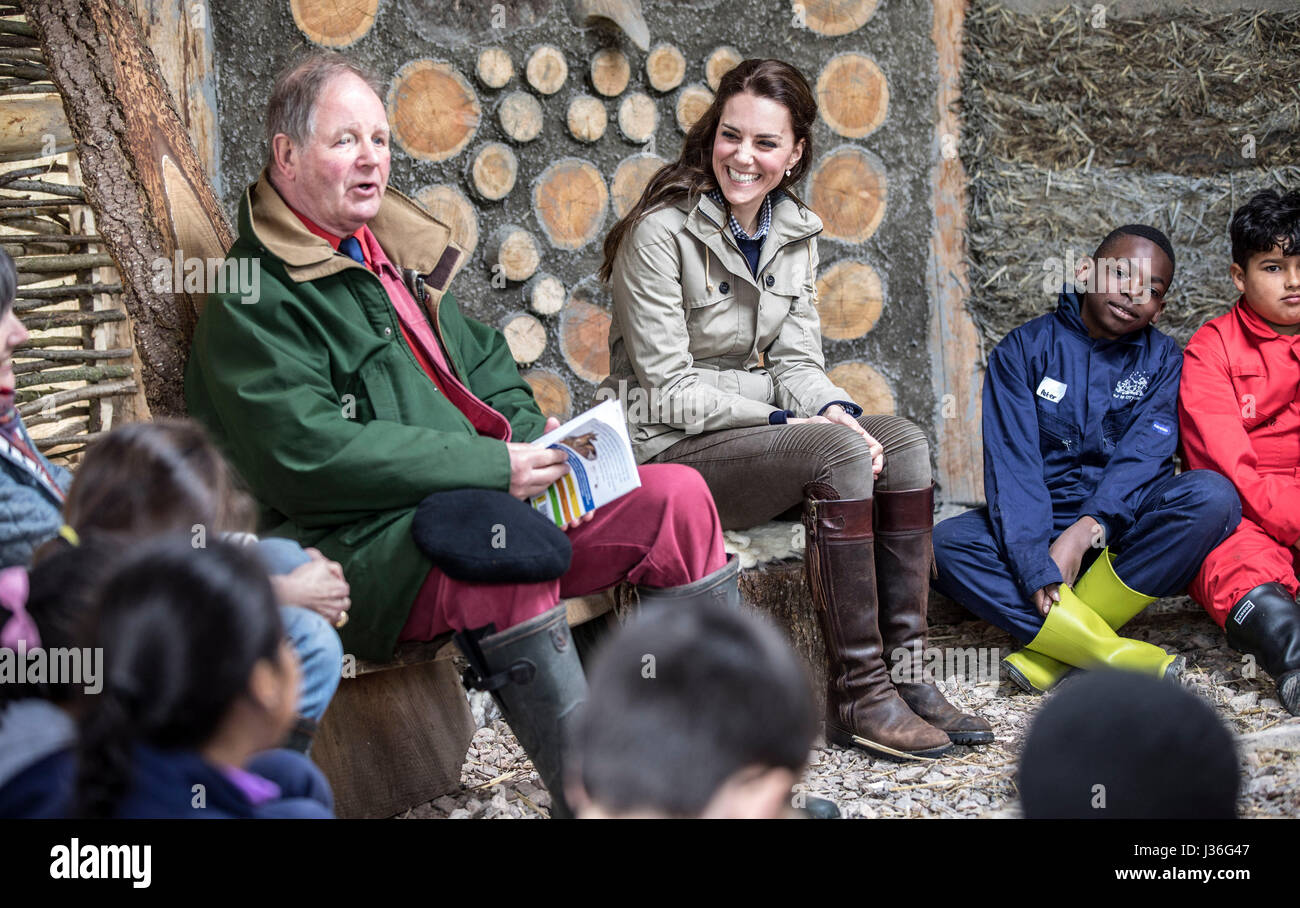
835 413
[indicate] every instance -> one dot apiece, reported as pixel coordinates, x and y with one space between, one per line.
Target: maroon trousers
665 533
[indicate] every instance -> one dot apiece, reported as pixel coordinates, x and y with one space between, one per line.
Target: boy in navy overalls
1086 522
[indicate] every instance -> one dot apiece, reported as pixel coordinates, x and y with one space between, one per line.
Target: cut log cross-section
665 67
553 397
584 338
521 116
570 199
334 23
852 95
494 171
630 179
494 68
638 116
433 110
848 191
610 72
449 205
849 300
587 118
544 294
512 252
526 338
834 17
722 61
546 69
869 389
693 101
142 175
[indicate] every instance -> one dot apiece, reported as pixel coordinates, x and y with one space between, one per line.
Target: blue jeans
316 642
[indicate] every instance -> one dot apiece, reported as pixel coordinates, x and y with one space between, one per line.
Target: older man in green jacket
353 387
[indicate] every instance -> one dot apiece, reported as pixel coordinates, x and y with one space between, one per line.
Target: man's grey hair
292 107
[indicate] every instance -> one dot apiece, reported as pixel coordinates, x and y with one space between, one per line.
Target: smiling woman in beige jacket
716 354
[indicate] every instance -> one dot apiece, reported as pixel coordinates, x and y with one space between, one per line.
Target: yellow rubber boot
1111 598
1107 595
1078 636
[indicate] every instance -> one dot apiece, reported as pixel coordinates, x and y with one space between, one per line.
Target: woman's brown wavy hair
692 174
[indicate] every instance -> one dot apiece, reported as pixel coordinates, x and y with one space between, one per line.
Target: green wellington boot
1078 636
1105 594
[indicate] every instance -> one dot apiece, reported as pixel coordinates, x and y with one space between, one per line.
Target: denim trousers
320 652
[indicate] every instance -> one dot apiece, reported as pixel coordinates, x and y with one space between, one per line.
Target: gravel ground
498 780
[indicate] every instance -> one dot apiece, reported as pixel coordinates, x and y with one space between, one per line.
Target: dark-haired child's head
1266 257
692 712
12 332
1125 281
195 658
1117 745
55 617
147 478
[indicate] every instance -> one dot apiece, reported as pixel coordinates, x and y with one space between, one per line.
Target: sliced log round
852 95
869 389
552 394
544 293
494 171
495 68
848 192
334 23
834 17
525 336
638 116
449 205
512 252
546 69
521 116
722 61
587 118
630 179
584 337
665 67
433 110
693 101
610 72
849 300
570 200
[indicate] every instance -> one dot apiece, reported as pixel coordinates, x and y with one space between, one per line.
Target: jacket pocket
1056 434
712 323
377 382
1113 425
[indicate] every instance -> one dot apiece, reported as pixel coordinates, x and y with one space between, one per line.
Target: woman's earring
787 173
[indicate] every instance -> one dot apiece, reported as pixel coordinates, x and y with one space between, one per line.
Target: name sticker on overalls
1051 389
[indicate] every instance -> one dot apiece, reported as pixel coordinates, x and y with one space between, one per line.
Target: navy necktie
351 247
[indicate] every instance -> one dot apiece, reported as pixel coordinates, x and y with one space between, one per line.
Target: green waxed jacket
322 408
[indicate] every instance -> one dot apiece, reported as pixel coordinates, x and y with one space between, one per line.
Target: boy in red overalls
1239 414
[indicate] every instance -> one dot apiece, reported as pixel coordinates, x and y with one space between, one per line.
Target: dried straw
1072 130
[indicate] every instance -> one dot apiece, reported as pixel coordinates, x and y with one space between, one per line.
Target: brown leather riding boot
862 706
904 554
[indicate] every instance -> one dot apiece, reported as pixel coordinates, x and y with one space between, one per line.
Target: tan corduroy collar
410 237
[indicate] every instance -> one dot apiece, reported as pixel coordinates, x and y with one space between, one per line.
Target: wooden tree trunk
553 397
525 336
143 177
